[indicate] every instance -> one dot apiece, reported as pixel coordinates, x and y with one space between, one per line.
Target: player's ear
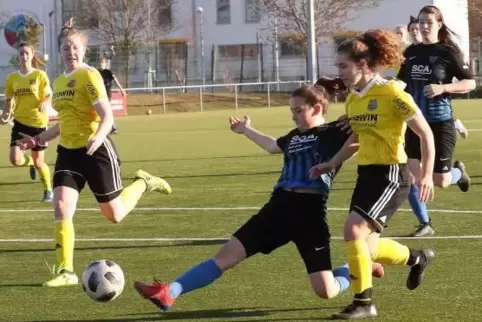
318 109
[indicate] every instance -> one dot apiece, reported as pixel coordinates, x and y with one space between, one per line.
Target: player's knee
442 180
63 209
16 161
38 163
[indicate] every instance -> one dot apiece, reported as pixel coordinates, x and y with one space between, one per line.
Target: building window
238 51
223 12
165 13
72 8
291 47
253 14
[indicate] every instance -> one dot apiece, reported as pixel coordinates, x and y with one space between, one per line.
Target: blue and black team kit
296 211
433 64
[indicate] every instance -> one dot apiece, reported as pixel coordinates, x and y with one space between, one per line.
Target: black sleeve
459 68
335 140
401 72
282 141
111 75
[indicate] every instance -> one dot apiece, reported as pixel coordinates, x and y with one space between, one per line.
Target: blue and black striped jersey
304 150
432 64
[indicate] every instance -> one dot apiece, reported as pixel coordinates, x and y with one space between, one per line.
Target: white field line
198 239
163 209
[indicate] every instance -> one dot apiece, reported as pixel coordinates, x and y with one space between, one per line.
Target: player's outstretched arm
7 111
50 134
243 126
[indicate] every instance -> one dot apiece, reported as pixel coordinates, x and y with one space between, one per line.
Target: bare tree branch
330 16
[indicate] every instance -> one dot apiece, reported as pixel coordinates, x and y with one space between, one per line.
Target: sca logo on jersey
421 69
302 138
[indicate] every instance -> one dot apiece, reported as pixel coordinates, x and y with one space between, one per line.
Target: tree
291 17
126 25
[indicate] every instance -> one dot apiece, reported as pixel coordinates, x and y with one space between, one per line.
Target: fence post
236 96
201 98
269 95
164 100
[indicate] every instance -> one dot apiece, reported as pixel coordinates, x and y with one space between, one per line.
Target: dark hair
413 20
36 62
445 34
313 94
332 85
379 48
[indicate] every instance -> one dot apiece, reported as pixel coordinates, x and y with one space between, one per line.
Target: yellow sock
44 173
26 161
360 264
64 248
131 194
391 252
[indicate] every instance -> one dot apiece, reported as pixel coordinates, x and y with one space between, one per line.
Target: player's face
25 55
304 115
429 26
349 71
72 50
414 31
400 32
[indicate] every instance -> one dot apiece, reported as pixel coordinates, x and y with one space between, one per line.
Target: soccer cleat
32 172
464 181
63 278
48 196
357 311
417 271
377 270
153 183
423 230
461 129
157 293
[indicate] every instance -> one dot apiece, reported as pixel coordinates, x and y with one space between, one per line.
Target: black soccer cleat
464 181
417 271
357 311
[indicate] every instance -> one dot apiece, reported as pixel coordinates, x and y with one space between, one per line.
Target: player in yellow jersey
28 97
85 154
379 111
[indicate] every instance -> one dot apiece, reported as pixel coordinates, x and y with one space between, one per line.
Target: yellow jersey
29 91
75 95
378 114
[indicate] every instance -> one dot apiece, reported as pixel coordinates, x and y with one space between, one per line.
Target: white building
225 25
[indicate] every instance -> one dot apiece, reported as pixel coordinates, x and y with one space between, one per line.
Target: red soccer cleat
377 270
157 293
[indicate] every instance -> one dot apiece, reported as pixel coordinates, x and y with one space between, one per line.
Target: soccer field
219 179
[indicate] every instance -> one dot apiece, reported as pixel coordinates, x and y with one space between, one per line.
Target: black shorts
101 170
445 137
380 190
290 216
19 129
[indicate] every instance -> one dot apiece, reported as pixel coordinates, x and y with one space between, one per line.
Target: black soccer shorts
19 129
101 170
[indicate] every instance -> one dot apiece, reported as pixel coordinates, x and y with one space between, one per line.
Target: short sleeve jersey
29 91
432 64
75 95
304 150
378 115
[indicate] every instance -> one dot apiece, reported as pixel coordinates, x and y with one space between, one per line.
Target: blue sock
456 175
198 276
342 275
419 208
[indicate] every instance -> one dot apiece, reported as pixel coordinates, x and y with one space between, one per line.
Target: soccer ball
103 280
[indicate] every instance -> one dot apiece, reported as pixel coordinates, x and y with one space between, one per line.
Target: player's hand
426 188
239 125
344 124
320 169
93 144
433 90
332 85
27 142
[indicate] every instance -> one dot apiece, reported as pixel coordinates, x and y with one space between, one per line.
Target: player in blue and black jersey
296 211
428 71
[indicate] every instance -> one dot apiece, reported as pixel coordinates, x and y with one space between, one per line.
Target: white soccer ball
103 280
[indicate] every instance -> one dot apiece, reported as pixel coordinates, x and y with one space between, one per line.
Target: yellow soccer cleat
154 183
63 278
